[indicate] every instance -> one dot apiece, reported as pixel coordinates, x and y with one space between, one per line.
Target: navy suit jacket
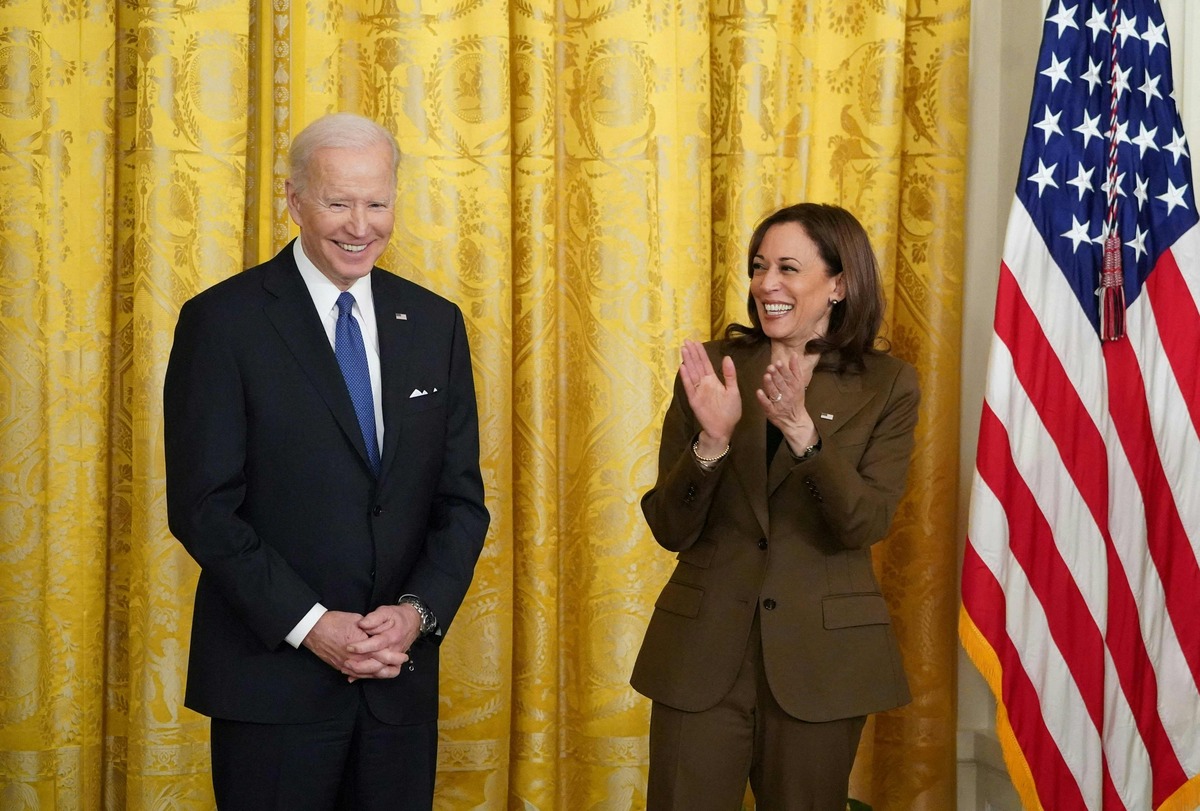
269 489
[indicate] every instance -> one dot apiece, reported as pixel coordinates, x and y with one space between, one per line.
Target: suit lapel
749 445
395 320
294 317
832 399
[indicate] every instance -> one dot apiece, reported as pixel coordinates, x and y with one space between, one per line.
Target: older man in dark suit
322 455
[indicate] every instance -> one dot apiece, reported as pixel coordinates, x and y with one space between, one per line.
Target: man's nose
357 223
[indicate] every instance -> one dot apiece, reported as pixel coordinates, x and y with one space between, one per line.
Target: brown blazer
793 540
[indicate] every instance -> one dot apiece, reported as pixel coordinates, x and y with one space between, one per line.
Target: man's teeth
777 309
352 248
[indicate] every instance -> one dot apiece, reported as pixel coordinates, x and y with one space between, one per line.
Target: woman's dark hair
843 244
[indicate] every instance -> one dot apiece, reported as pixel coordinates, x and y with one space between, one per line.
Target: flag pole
1112 277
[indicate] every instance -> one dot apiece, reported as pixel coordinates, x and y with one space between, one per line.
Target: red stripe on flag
1045 380
1085 457
1167 538
985 602
1031 541
1179 328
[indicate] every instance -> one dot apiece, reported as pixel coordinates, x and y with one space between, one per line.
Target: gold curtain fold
581 176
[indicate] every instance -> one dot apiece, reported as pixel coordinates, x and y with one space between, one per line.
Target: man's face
347 210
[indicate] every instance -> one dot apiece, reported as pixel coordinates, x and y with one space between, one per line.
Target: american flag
1081 581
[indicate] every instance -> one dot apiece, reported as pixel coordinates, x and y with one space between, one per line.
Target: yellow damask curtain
581 176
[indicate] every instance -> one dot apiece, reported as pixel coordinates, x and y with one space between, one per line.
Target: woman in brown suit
771 642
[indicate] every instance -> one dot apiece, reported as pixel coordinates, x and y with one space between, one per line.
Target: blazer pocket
852 610
425 402
680 598
699 554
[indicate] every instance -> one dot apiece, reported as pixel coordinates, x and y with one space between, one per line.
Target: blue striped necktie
352 357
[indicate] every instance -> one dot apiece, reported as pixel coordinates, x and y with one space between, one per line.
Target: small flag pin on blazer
401 316
826 416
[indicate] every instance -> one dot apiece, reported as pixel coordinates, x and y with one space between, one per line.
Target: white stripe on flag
1053 301
1179 449
1040 465
1063 711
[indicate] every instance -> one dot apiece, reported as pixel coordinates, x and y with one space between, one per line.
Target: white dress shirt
324 296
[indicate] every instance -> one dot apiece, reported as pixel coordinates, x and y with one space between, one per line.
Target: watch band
428 621
809 452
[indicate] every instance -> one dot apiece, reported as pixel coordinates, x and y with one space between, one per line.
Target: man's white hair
336 130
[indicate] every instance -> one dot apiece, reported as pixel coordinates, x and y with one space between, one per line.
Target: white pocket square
417 393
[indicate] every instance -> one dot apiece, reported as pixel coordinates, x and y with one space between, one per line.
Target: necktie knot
345 303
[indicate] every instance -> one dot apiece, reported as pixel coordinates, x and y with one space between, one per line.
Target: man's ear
293 202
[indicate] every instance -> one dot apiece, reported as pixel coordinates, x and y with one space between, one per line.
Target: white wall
1005 37
1004 40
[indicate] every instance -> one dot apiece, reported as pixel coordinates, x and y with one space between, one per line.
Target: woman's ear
839 287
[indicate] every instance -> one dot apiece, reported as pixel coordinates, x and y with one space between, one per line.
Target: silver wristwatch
428 621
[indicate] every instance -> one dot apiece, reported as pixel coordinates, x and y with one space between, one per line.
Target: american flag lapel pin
825 415
401 316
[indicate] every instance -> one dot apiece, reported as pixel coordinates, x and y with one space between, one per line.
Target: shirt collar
325 293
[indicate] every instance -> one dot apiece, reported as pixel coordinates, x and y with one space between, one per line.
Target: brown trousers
700 761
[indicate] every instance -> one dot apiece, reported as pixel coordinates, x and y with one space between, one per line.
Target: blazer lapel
749 446
395 320
295 319
832 399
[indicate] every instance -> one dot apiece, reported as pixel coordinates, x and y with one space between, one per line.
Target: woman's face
792 287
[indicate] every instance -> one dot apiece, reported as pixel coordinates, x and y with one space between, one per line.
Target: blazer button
762 543
377 511
769 604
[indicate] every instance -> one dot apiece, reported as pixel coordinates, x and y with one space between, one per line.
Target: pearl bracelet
705 459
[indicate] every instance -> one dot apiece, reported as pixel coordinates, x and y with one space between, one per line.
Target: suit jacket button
377 511
769 604
762 543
